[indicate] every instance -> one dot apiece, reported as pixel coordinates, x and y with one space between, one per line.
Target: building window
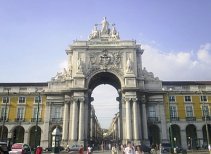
187 99
189 111
203 98
173 111
4 113
56 111
37 99
152 112
205 110
22 99
35 112
5 99
171 98
20 113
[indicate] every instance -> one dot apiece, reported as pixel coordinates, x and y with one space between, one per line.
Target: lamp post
37 119
5 115
205 120
170 124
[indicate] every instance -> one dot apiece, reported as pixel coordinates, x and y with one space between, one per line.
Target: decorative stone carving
61 76
129 66
79 65
105 32
149 75
105 26
95 33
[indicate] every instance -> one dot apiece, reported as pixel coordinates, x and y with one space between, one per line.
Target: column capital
78 99
130 99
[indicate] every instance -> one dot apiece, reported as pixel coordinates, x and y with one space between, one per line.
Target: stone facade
102 59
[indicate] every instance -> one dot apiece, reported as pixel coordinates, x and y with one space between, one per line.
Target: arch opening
104 88
104 78
34 140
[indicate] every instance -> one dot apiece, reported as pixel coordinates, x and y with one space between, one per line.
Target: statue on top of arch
104 32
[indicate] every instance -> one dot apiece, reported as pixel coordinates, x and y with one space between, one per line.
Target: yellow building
187 107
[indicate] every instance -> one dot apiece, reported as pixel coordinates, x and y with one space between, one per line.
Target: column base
136 142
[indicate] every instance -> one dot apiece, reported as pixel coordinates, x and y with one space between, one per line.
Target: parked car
49 149
4 147
165 147
75 147
20 148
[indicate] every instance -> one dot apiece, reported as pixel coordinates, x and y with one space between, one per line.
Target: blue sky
175 35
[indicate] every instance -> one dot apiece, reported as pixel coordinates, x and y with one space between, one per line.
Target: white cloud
181 65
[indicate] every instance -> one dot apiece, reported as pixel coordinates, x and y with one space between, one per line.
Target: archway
205 134
35 136
104 88
50 133
176 137
191 136
18 134
3 133
154 134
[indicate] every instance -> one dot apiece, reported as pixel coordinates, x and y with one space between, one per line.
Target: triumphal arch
105 59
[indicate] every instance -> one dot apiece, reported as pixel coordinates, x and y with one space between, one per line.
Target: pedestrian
153 149
81 150
113 150
89 150
39 150
129 149
122 148
139 150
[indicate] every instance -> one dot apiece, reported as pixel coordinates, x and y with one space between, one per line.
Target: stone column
86 121
81 121
144 119
164 129
135 121
26 137
128 120
70 123
74 132
65 123
45 128
91 126
184 138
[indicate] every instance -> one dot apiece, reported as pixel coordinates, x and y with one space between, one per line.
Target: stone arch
18 134
154 134
104 78
191 135
206 133
50 133
176 136
3 133
34 136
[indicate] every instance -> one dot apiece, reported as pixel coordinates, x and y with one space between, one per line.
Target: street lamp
205 119
170 124
5 115
37 119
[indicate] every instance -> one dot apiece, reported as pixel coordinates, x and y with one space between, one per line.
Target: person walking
113 150
81 150
129 149
139 150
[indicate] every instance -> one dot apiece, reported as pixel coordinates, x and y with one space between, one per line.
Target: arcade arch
4 132
18 134
32 136
191 136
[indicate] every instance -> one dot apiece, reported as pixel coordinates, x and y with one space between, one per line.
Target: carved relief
104 60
